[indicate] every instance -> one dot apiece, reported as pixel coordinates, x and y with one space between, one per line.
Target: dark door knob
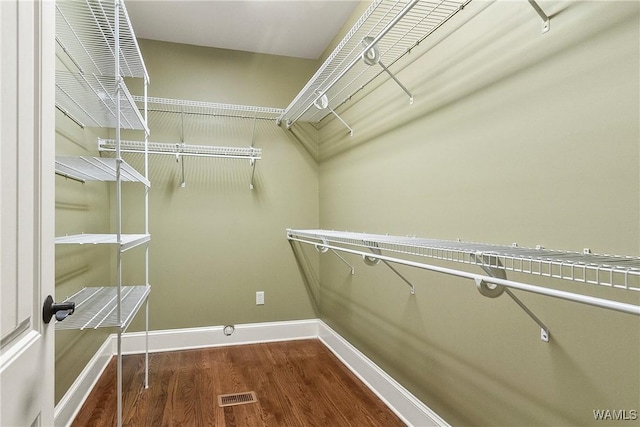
61 311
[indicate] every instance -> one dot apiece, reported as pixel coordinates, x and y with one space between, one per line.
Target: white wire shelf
396 25
167 105
91 101
127 241
86 32
622 272
96 307
97 169
250 153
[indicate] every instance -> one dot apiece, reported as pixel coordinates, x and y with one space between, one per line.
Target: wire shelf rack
91 101
168 105
96 307
97 169
622 272
127 241
396 26
174 149
86 32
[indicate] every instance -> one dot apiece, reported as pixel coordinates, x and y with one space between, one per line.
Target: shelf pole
146 231
118 206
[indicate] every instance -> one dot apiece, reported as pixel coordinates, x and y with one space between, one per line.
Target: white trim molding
405 405
70 404
213 336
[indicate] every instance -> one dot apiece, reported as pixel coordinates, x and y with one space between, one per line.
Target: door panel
26 211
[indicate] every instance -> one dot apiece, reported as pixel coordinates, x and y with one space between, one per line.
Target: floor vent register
237 399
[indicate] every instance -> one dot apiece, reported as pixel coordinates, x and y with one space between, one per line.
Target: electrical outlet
260 298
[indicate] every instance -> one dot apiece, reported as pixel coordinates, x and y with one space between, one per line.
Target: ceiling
296 28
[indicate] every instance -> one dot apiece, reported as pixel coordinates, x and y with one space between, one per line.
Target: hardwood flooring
297 383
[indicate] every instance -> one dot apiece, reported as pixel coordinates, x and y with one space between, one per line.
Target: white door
27 114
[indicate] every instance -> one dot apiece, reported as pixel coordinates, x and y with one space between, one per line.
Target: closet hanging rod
479 278
615 271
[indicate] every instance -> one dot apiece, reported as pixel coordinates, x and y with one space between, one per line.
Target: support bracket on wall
353 270
373 260
323 103
546 21
493 291
323 249
371 56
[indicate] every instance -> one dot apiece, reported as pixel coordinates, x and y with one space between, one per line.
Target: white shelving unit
612 271
99 41
386 31
181 107
179 150
97 307
97 169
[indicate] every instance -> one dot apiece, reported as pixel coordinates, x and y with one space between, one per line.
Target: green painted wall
514 136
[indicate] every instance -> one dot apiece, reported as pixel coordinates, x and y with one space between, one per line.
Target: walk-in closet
320 213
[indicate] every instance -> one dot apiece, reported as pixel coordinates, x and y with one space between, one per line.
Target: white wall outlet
260 298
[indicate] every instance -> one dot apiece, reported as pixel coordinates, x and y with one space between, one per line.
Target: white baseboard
70 404
404 404
212 336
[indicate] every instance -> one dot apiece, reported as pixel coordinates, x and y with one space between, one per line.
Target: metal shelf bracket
371 56
373 260
493 291
323 249
322 103
546 21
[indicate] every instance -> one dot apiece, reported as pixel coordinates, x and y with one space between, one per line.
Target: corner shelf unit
101 50
612 271
393 28
386 31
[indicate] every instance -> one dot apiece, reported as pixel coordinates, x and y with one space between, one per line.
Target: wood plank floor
297 383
